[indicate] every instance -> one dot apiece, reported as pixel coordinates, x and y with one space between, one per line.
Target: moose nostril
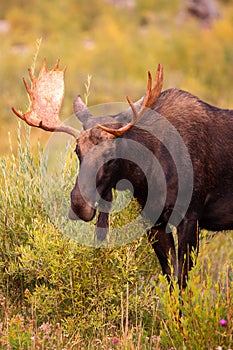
72 215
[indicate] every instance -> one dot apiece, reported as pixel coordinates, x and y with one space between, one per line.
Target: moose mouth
87 212
84 216
72 215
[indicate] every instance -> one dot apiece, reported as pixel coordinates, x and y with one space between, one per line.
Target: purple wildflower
115 340
223 322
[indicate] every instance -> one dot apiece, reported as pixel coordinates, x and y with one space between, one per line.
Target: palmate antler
46 97
152 93
47 93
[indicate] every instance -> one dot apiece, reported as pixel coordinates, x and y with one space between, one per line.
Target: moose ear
81 111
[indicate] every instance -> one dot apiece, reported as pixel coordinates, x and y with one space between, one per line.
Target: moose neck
139 153
134 165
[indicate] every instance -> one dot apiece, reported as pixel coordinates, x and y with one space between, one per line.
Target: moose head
46 96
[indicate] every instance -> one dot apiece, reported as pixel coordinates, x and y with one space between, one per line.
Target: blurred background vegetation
116 42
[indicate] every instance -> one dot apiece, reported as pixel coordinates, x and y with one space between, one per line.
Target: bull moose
175 150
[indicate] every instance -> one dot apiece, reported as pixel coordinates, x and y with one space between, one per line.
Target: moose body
187 182
207 132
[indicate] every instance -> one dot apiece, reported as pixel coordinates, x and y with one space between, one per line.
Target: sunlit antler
152 93
46 97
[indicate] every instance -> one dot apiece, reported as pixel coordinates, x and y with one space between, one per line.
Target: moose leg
103 218
164 247
188 236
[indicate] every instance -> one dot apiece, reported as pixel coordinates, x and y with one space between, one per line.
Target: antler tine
135 112
46 96
158 80
148 90
152 93
56 66
19 114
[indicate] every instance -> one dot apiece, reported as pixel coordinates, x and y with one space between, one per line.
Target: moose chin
173 126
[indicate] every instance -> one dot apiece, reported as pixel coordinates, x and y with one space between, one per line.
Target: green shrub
49 278
194 322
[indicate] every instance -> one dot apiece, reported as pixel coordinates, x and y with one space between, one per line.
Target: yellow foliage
116 45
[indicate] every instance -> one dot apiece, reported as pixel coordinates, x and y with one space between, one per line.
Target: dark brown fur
207 132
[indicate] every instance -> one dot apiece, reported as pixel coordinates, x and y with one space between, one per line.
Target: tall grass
56 293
